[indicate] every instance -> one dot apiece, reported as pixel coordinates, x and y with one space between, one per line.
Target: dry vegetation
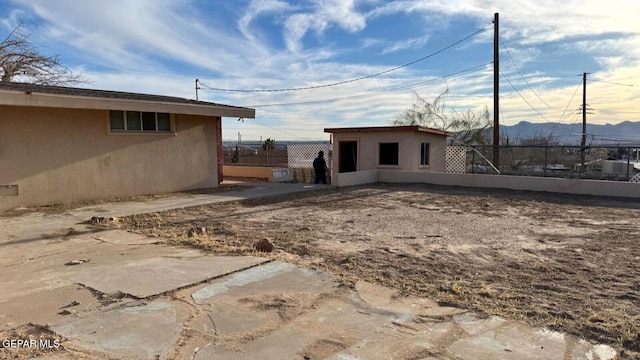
565 262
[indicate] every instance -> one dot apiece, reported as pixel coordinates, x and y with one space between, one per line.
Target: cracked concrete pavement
128 297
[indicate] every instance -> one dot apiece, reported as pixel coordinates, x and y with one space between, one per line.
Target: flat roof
408 128
23 94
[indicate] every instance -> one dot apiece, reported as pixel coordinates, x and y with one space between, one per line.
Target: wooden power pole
496 93
583 142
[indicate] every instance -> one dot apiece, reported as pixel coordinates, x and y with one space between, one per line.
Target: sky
350 62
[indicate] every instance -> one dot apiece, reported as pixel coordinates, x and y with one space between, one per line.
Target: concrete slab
368 322
262 297
45 306
253 191
273 277
156 275
329 328
119 237
140 332
512 341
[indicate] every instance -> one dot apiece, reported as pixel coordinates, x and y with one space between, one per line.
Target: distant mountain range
627 132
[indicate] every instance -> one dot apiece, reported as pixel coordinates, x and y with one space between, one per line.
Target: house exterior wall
59 155
409 150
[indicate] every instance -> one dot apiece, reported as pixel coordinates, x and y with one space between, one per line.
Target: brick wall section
219 148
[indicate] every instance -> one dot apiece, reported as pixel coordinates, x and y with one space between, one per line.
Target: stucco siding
409 150
61 155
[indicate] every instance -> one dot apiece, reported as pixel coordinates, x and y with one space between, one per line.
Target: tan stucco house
403 148
60 144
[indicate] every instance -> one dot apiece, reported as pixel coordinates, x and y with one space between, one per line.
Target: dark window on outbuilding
424 153
389 153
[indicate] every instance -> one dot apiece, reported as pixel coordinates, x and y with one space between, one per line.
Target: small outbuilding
403 148
60 144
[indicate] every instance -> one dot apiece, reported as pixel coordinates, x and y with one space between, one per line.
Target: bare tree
21 61
470 127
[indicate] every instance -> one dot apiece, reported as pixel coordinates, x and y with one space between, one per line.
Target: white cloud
257 8
412 43
326 14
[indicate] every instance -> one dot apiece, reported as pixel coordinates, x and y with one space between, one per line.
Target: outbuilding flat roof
22 94
389 129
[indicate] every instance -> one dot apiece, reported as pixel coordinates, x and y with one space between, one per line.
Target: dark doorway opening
348 156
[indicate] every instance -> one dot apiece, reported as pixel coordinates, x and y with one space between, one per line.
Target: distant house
402 148
61 144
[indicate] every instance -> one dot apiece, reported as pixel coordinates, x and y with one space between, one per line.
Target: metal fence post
628 161
473 160
546 152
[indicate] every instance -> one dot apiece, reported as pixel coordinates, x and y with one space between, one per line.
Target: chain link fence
254 154
298 157
600 163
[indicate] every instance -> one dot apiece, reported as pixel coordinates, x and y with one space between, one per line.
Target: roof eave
389 129
36 99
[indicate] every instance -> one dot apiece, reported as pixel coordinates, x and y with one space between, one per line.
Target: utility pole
496 92
197 88
583 142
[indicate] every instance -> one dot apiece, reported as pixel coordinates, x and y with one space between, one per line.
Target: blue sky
162 46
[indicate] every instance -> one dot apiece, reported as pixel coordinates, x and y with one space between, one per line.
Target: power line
567 107
573 126
522 97
350 80
521 75
283 132
611 82
359 96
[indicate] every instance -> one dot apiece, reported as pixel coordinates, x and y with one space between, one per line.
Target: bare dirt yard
568 263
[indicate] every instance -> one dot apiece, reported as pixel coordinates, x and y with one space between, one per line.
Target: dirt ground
568 263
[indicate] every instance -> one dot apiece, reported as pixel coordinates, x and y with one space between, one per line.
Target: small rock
264 245
487 204
73 303
77 262
66 312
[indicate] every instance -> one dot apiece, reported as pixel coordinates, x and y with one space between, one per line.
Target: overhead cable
522 97
376 93
521 75
350 80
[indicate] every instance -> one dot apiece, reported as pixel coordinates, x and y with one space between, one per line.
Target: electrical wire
350 80
522 76
566 107
573 126
283 132
522 97
611 82
376 93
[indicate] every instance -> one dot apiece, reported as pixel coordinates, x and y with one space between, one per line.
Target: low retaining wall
530 183
355 178
256 172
